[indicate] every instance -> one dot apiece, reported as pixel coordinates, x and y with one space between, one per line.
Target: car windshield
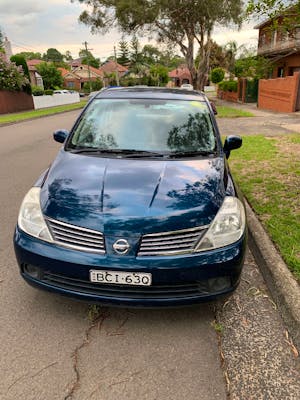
145 125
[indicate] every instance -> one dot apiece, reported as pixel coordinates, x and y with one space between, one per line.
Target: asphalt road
49 347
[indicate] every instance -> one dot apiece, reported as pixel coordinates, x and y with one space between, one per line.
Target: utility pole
117 72
88 63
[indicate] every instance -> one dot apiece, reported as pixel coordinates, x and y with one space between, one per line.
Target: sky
33 25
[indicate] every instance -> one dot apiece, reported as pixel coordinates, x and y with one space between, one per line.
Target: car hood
133 196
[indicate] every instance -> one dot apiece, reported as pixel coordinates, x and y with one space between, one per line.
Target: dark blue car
139 207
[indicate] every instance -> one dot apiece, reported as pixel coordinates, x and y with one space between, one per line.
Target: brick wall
279 94
229 96
14 101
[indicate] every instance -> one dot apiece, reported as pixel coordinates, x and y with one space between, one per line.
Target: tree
30 55
273 8
135 51
177 22
12 77
20 60
53 55
217 75
231 49
256 67
123 57
1 39
159 73
51 76
88 58
68 56
150 54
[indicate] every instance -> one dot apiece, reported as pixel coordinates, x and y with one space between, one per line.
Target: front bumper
177 280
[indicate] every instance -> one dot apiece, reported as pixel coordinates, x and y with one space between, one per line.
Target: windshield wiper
178 154
126 152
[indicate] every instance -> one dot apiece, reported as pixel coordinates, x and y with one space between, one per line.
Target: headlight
227 227
31 219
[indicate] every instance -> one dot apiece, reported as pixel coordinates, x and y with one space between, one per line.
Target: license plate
120 277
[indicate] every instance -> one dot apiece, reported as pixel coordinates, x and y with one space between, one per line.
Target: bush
49 92
217 75
37 91
12 77
228 86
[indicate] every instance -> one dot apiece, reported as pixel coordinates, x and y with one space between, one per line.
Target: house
282 47
110 67
35 77
86 73
71 80
180 75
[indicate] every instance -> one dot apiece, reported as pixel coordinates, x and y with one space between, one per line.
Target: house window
71 85
280 72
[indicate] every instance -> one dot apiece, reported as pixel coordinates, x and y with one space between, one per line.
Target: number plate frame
120 277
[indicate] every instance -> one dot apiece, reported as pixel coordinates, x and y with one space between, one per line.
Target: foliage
270 9
175 22
51 75
159 74
123 57
20 60
252 67
228 86
1 38
68 56
37 91
12 77
53 55
88 58
95 85
30 55
48 92
217 75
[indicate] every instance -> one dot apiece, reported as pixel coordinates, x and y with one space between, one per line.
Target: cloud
19 8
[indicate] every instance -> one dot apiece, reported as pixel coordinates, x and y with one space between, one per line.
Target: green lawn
17 117
231 112
268 172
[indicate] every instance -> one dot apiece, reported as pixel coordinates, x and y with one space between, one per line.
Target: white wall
55 100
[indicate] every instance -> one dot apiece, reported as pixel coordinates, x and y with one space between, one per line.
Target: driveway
54 348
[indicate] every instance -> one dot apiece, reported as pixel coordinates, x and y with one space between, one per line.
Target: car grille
171 243
76 237
189 289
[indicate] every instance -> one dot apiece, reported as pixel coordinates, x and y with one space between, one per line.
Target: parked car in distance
187 86
139 207
62 91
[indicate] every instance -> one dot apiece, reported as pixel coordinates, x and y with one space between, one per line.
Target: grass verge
268 173
22 116
231 112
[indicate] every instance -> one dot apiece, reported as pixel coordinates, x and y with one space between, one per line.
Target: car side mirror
60 135
231 143
213 107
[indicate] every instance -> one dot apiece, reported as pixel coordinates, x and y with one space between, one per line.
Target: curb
284 289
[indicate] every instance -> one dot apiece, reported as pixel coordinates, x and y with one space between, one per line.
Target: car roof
151 93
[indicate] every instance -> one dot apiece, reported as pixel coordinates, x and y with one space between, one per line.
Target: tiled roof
33 63
111 66
180 72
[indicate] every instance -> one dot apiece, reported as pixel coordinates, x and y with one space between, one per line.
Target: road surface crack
97 316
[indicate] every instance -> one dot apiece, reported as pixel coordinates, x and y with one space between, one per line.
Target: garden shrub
37 91
228 86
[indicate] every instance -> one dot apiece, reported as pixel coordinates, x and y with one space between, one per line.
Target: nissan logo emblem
121 246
